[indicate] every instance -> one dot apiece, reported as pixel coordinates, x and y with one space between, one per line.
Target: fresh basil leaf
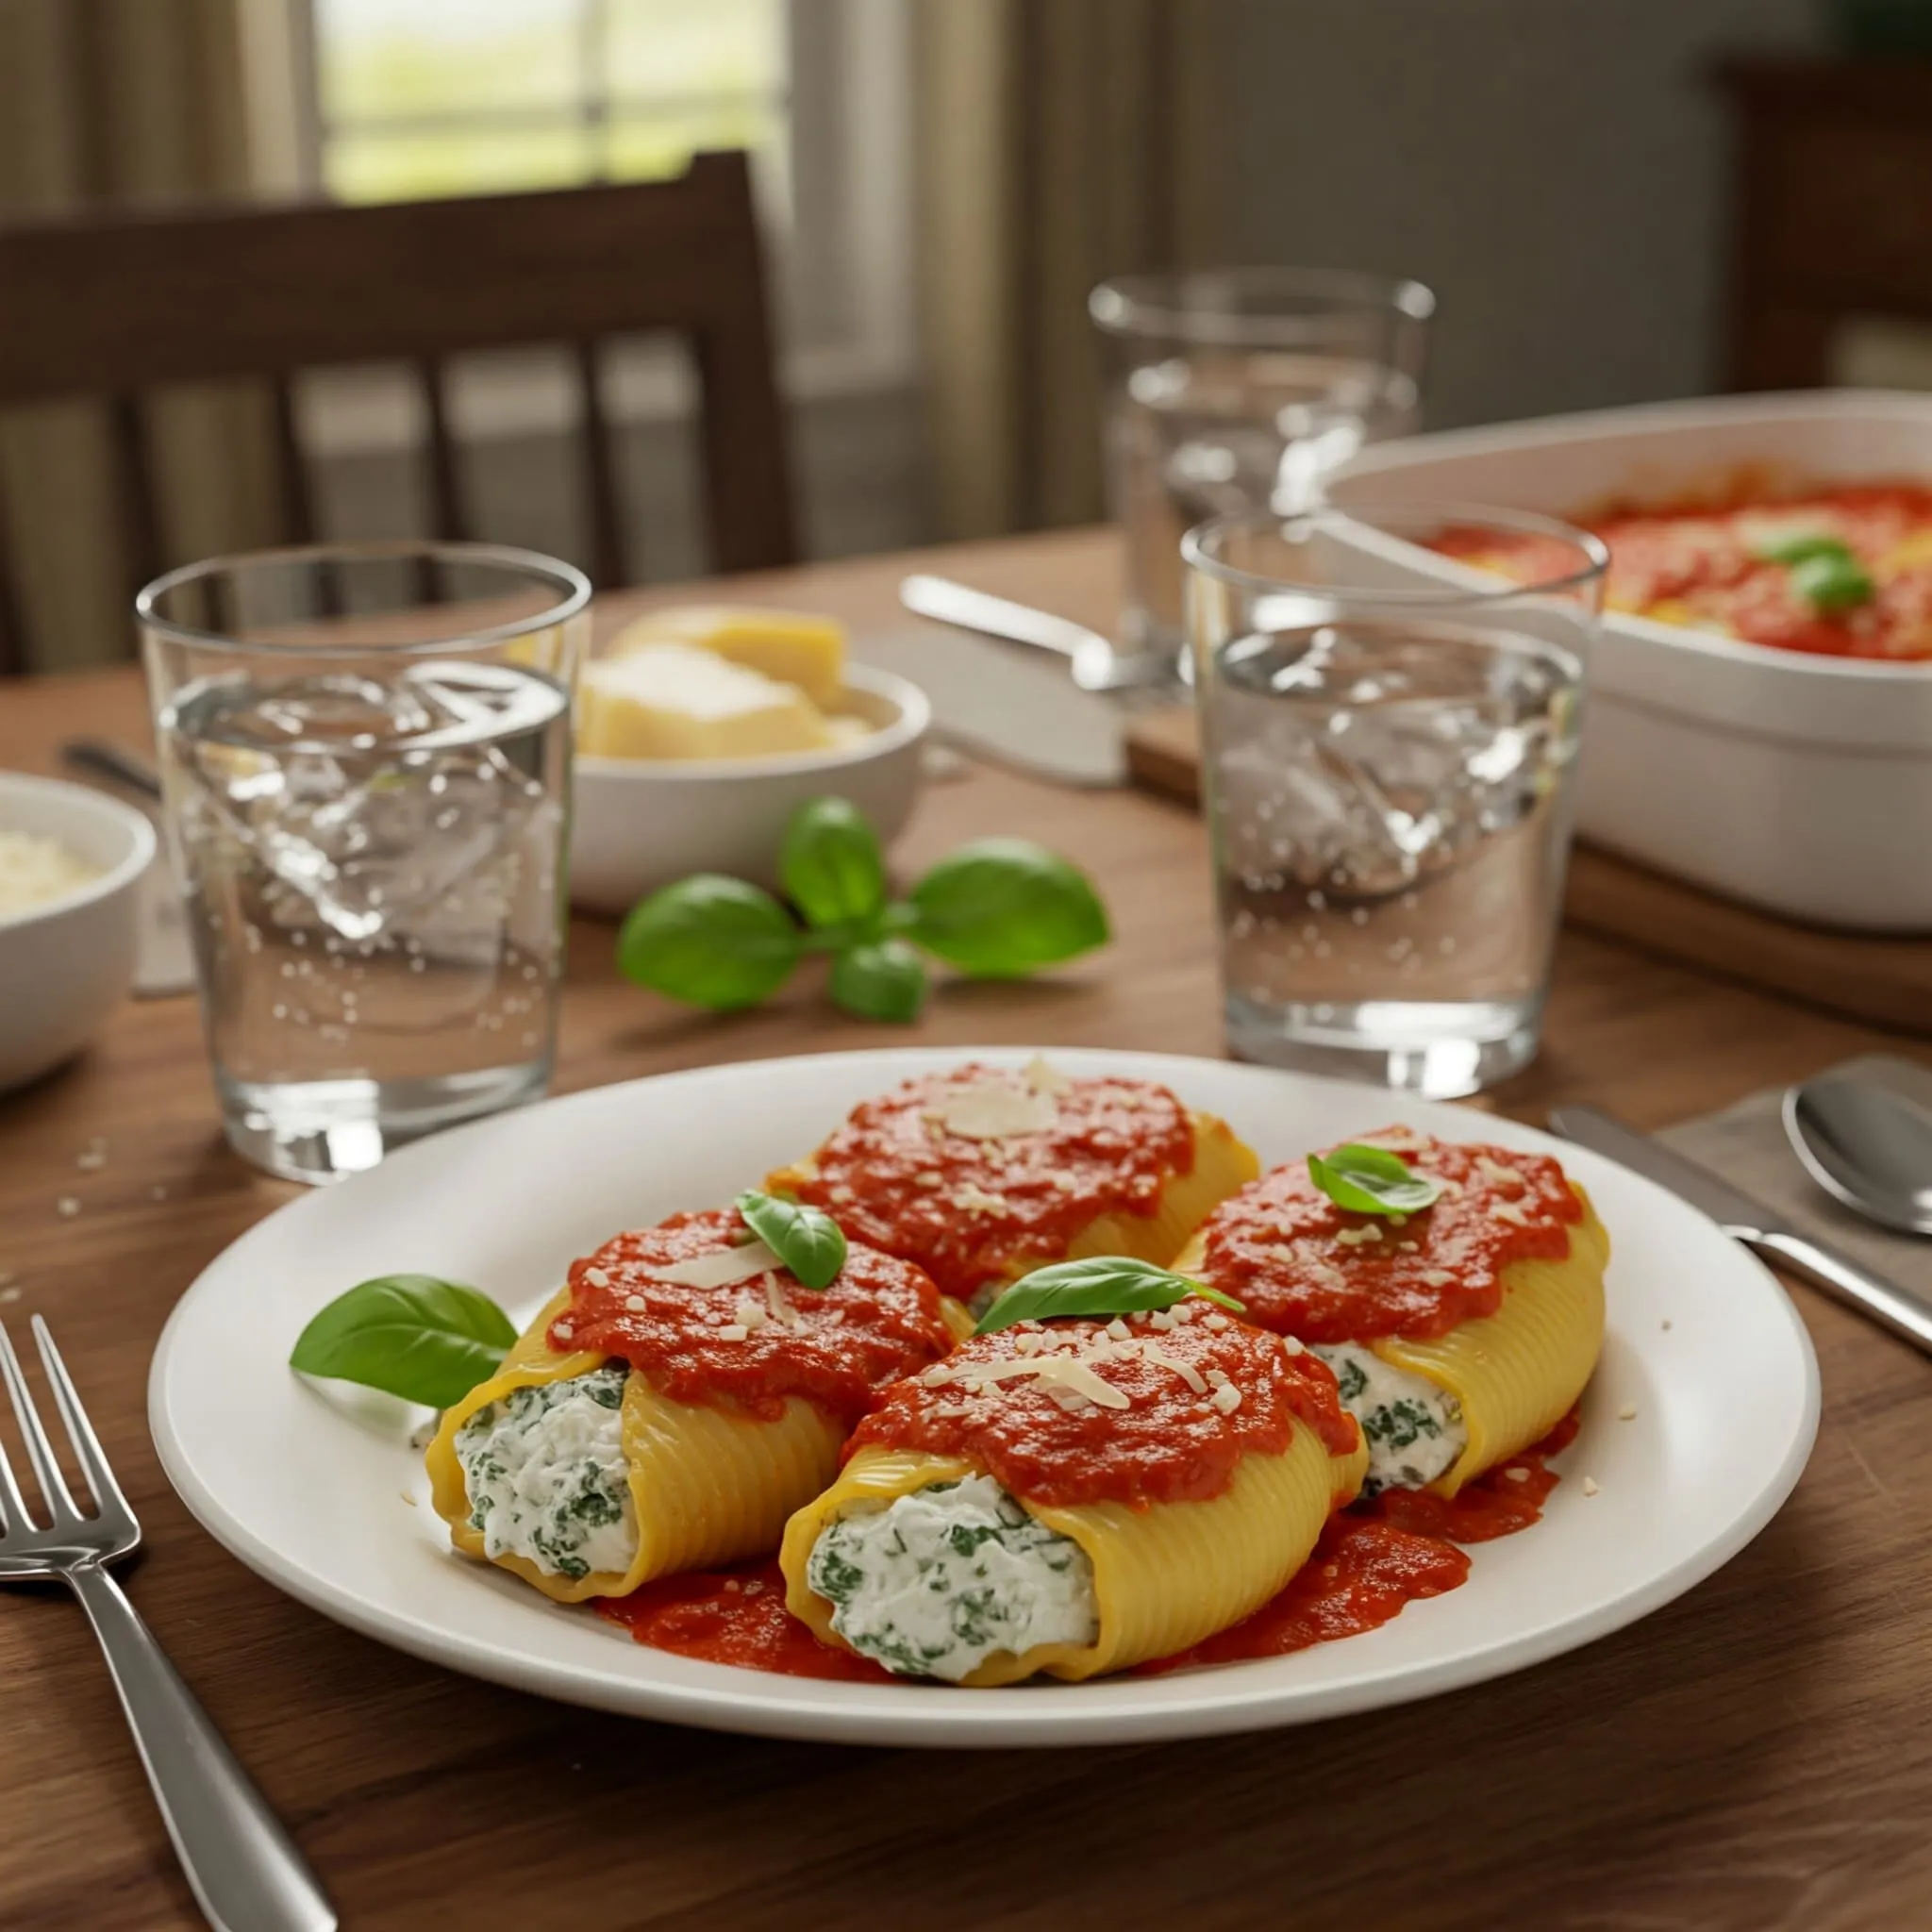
709 941
1102 1285
885 981
1831 583
424 1340
1802 549
830 864
1001 908
807 1240
1371 1181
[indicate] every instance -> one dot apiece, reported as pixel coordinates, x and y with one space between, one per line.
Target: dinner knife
1826 1267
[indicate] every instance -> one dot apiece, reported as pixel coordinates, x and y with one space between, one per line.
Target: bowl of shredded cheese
71 860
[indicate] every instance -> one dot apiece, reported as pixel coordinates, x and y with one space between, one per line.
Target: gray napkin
1747 1144
1006 703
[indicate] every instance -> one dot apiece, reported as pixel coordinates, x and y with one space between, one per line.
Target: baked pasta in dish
1074 1496
673 1404
1839 570
1460 1334
982 1174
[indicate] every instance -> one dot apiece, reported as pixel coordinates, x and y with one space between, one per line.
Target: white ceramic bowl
1797 783
641 823
64 966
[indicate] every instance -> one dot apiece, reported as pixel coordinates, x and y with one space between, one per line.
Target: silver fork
245 1871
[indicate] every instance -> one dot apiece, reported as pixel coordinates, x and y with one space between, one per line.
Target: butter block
675 701
790 646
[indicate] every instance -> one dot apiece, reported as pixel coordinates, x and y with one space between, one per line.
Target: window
423 97
403 99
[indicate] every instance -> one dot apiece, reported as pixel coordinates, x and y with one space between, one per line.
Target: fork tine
39 1452
14 1514
80 1432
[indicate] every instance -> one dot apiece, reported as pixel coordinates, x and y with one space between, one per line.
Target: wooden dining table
1757 1753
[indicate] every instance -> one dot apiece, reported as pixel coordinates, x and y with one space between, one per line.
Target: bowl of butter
700 729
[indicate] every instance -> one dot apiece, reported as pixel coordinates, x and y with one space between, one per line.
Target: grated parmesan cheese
722 1267
36 872
990 1110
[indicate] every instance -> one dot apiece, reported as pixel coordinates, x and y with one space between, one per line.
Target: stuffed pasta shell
982 1174
1073 1497
1459 1333
673 1404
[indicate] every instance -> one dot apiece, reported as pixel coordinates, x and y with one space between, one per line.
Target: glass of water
366 752
1231 389
1388 753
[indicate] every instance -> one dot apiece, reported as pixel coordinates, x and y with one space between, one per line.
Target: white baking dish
1797 783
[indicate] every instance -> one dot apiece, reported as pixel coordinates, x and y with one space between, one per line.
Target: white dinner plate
314 1486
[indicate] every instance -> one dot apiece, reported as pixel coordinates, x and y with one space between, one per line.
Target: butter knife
1769 1233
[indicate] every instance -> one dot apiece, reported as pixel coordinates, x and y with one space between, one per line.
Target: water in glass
1389 804
1207 433
371 871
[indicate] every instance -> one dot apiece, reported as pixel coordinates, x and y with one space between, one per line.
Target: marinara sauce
1306 1267
1011 1403
754 1344
972 1207
1712 566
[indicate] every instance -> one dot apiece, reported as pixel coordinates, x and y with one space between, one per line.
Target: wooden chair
112 308
1834 218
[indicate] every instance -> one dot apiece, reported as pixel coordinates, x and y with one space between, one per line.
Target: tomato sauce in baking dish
912 1172
1838 572
879 1319
1271 1246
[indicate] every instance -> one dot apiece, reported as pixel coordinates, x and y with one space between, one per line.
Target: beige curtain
133 102
1060 142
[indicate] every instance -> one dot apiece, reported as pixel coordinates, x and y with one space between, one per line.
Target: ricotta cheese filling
547 1477
1414 1430
938 1581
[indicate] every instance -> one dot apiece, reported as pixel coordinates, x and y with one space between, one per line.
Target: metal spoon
1866 1144
1095 664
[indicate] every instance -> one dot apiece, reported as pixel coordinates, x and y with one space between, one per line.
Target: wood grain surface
1755 1755
1864 976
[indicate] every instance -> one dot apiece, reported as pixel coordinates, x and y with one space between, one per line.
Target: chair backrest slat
267 291
608 559
447 503
13 638
134 488
291 466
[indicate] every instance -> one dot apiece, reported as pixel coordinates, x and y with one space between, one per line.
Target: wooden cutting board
1885 981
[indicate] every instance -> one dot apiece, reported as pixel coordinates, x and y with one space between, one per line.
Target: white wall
1556 170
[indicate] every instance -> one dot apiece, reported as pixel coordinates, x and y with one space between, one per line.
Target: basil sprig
1371 1181
424 1340
1102 1285
995 909
1824 572
713 940
831 865
807 1240
879 979
1004 907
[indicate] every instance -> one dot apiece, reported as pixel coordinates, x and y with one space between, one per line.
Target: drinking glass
365 751
1388 748
1233 389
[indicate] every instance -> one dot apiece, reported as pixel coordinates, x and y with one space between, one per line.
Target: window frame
839 206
